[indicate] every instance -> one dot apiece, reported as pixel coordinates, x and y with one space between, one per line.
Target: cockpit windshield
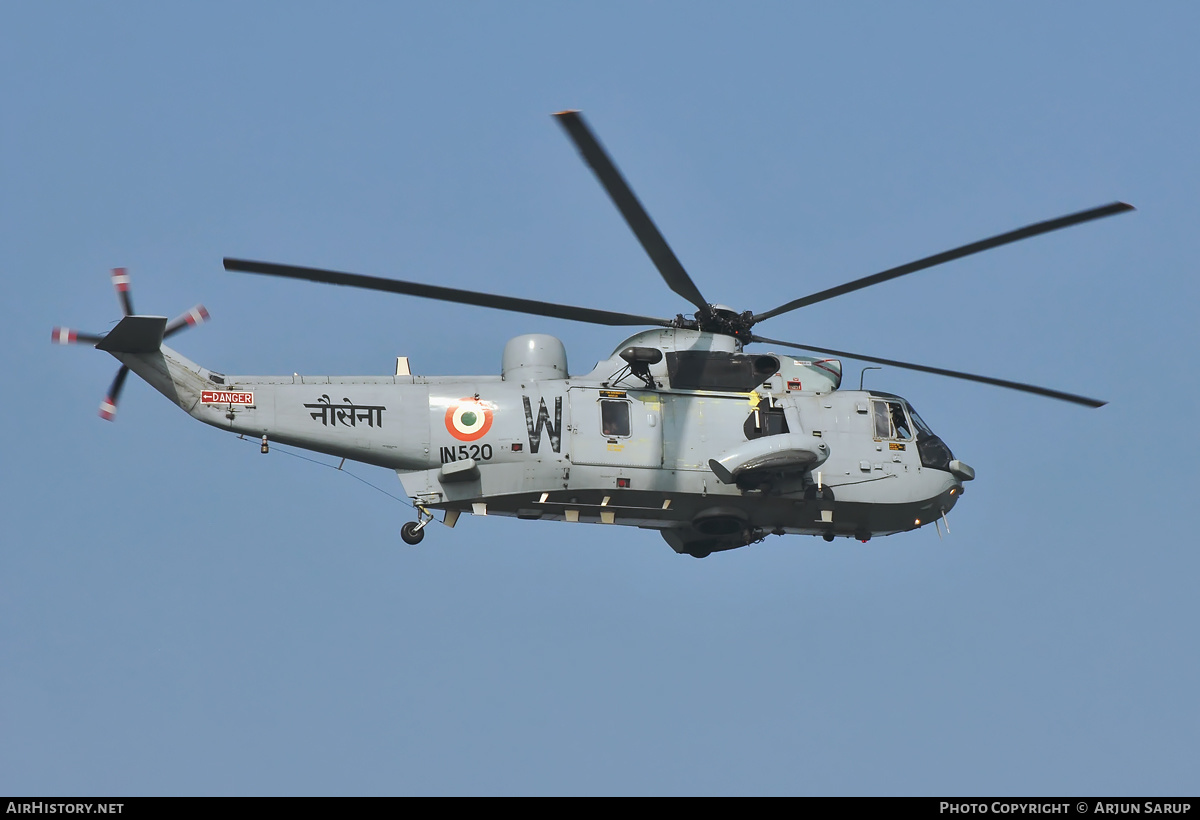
922 427
934 452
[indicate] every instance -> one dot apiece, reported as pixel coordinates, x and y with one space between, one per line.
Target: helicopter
679 430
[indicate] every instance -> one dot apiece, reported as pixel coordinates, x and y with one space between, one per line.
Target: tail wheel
412 533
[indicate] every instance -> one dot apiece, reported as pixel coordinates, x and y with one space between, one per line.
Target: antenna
863 373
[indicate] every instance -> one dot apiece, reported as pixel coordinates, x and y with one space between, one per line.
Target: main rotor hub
725 320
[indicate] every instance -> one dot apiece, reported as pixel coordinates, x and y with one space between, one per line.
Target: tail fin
135 334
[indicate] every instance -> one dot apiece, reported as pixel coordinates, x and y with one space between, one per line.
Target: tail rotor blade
120 280
108 407
196 316
67 336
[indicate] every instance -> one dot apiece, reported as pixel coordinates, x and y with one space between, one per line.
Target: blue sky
181 615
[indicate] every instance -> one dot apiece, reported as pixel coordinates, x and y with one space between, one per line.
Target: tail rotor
133 339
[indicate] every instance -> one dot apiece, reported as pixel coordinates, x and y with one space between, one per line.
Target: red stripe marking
831 371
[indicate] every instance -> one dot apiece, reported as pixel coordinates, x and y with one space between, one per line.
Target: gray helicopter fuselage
714 447
678 430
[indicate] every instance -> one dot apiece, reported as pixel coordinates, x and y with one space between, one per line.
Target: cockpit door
895 441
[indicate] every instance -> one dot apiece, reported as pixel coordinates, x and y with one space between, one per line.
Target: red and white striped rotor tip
197 315
120 279
68 336
63 336
108 408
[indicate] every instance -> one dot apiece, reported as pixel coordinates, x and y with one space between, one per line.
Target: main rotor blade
957 253
627 203
954 374
465 297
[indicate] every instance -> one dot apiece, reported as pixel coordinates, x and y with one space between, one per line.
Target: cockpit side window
891 422
883 423
900 425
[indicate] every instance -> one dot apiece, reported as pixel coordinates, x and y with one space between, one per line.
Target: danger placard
225 397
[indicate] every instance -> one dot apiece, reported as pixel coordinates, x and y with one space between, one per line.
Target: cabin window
614 418
891 420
